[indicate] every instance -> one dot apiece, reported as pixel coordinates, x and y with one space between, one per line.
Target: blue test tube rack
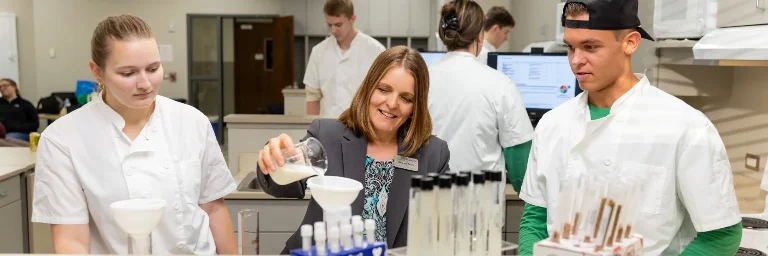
375 249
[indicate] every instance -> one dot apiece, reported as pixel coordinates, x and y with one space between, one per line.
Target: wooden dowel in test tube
611 204
567 230
575 223
599 217
615 223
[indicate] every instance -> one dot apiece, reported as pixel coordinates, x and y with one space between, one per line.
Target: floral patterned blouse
378 178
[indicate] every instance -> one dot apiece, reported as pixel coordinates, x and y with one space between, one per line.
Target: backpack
50 105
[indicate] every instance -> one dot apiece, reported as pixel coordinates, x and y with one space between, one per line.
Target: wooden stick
615 223
599 217
575 223
608 225
567 231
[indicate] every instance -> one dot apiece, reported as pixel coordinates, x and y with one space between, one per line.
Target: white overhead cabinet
399 17
363 13
9 57
315 18
378 18
420 14
731 13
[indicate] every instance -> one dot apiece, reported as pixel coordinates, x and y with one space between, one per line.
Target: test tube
357 230
333 239
445 217
428 216
370 230
320 238
496 214
461 215
479 228
346 236
306 237
414 226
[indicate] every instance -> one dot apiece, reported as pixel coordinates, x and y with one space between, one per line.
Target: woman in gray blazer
388 119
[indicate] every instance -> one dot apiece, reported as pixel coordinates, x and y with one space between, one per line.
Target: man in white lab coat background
338 64
623 125
498 24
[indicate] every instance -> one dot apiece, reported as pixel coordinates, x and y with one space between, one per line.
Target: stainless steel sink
249 183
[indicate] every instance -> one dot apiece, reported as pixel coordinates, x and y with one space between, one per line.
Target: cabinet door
12 236
420 18
732 13
399 17
9 57
362 11
316 25
297 9
379 15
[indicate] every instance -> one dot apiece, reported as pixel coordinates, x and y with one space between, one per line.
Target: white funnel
332 192
138 217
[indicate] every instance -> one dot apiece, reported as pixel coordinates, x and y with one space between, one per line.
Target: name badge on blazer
411 164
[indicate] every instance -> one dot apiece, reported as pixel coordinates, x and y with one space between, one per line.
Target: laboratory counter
16 172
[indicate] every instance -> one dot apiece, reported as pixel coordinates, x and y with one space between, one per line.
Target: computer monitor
432 57
545 80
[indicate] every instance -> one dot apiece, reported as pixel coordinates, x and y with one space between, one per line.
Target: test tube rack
372 249
631 246
403 251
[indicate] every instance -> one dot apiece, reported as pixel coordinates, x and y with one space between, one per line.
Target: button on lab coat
339 75
689 187
85 163
477 110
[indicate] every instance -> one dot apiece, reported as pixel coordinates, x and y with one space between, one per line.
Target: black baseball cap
607 15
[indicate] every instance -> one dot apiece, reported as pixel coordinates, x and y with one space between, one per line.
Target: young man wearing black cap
623 125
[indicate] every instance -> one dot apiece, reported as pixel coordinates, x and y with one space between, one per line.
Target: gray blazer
346 157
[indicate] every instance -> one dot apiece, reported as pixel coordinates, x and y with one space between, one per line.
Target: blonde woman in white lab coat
476 109
132 143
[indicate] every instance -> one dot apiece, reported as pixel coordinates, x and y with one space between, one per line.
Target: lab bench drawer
271 243
11 233
514 214
10 190
274 215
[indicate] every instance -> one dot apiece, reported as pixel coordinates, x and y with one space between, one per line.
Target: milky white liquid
290 173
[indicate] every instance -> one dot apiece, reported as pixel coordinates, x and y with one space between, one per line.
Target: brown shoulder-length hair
418 128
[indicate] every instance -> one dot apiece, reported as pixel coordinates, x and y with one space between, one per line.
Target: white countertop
268 119
15 160
510 193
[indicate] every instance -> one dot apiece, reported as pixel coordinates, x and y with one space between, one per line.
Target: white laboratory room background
244 64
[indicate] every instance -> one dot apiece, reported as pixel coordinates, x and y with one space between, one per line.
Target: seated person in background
18 115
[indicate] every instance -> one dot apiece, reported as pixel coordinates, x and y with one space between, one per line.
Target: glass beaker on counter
308 158
248 232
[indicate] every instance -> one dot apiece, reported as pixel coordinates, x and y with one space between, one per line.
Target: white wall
79 18
26 48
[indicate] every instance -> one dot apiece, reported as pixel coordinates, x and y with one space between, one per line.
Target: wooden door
263 64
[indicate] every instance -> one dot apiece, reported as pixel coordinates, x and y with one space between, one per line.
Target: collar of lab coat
458 54
620 103
489 46
355 41
118 122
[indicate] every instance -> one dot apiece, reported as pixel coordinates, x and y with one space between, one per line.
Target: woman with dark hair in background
18 115
475 108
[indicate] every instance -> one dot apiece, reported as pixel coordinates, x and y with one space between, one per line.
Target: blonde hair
418 129
119 28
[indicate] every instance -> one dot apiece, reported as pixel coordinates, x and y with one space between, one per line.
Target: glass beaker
248 232
307 159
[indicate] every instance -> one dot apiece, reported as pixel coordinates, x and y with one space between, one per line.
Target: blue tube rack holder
375 249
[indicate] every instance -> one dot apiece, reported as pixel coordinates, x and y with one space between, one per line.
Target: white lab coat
477 110
85 162
483 56
339 75
689 187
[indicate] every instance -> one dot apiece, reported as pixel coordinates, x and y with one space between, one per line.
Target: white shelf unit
392 22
